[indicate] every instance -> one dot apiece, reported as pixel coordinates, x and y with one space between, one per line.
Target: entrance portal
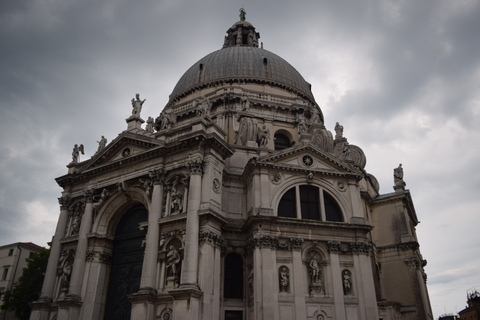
126 268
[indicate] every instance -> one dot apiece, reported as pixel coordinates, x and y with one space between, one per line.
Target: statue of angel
76 152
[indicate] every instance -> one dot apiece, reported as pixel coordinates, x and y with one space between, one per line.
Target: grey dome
244 63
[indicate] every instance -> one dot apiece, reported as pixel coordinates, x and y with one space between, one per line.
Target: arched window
309 202
332 210
281 141
233 277
287 206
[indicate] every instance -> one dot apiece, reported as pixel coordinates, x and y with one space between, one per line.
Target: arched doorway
126 268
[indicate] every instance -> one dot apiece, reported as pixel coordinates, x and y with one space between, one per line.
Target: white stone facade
235 203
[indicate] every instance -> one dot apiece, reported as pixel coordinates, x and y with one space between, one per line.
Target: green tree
28 287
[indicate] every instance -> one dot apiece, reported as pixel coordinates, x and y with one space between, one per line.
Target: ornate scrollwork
263 241
195 164
212 238
413 262
180 233
216 185
356 247
98 256
360 247
275 177
89 194
274 242
157 176
296 243
64 202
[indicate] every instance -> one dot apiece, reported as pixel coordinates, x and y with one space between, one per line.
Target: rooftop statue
101 144
76 152
242 14
338 131
137 105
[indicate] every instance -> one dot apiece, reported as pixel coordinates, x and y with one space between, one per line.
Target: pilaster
40 310
71 303
190 267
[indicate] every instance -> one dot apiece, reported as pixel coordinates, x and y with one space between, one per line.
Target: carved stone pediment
305 158
126 145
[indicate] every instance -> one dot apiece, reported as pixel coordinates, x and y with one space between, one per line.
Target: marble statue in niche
347 282
173 263
75 220
316 285
64 270
284 279
177 195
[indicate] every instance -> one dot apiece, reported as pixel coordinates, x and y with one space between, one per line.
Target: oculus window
309 202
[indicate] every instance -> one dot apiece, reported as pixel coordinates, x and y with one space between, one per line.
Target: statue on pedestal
101 144
173 259
76 152
137 105
263 136
338 131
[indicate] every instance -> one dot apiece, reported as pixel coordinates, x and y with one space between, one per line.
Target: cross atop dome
242 33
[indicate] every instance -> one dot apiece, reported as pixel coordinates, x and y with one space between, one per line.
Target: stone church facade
234 203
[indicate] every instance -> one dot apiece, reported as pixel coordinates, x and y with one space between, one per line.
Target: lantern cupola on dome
242 33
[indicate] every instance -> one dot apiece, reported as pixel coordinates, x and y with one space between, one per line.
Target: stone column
149 271
142 301
80 255
298 288
46 296
365 283
190 264
339 301
96 286
206 278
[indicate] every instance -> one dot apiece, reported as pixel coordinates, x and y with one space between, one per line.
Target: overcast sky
402 77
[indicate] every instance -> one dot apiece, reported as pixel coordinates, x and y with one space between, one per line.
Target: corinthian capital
88 194
195 164
64 202
157 176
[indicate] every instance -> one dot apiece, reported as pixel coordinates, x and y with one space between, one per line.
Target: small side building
472 311
12 261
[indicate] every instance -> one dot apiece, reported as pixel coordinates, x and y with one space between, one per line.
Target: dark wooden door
126 268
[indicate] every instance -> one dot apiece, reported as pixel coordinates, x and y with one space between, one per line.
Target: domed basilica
234 203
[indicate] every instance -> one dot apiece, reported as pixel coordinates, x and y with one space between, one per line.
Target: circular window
307 160
126 152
